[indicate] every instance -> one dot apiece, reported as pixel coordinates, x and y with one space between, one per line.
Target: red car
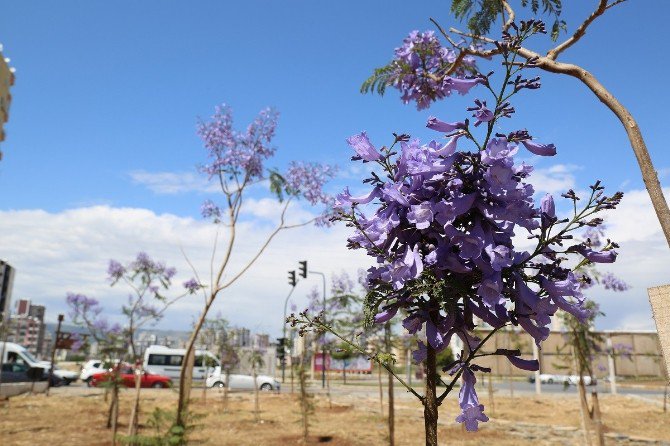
127 376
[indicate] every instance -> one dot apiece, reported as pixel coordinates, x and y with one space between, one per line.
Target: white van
18 354
161 360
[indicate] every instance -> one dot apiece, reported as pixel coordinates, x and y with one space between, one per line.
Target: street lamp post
283 361
323 349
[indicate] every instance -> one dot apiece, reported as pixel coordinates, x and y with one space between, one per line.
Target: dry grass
72 417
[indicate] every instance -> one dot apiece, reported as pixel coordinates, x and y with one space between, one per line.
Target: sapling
236 164
439 224
149 283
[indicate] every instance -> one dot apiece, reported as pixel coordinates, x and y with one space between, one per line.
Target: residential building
27 327
6 82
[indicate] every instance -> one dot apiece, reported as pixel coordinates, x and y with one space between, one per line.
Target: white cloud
68 251
54 253
556 179
171 183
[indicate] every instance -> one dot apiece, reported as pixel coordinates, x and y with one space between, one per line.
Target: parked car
90 368
242 382
546 378
14 372
127 376
67 376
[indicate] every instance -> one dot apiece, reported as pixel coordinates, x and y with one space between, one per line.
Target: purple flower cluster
233 152
308 179
420 66
192 285
441 231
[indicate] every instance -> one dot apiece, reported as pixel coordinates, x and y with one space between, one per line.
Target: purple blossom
115 270
608 256
419 66
611 282
192 285
307 180
482 113
471 411
365 150
210 210
444 127
234 152
539 149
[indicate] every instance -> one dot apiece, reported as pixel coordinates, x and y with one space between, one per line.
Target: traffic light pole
283 362
323 350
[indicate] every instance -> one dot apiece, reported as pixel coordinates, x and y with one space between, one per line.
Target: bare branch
553 53
258 254
510 13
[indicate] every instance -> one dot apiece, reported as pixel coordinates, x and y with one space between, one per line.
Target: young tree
148 282
111 341
440 228
428 82
237 162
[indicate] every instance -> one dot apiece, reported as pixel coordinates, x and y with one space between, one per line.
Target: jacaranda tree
440 222
431 79
237 162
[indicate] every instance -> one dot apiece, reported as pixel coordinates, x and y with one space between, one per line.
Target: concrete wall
645 359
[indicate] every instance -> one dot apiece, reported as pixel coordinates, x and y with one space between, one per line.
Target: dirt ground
77 418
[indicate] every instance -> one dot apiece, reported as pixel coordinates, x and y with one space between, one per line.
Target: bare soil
77 417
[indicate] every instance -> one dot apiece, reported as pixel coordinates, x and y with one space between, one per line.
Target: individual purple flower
421 215
444 127
524 364
608 256
471 411
385 315
547 211
192 285
115 270
539 149
482 113
363 147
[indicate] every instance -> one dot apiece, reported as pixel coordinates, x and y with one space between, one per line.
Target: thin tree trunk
226 390
257 407
597 419
114 412
330 396
430 413
304 403
292 389
135 413
391 417
381 390
204 387
584 410
186 375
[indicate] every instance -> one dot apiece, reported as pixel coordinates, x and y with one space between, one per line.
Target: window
158 359
175 360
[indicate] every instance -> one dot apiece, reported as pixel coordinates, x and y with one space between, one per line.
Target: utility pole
283 359
53 352
303 273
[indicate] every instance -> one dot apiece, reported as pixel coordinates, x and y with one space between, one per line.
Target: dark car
14 372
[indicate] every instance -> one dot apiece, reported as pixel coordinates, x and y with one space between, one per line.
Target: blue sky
105 91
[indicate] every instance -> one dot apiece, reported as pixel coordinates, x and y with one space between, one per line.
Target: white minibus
161 360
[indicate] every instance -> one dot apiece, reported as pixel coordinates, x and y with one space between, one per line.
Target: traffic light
291 278
303 269
281 351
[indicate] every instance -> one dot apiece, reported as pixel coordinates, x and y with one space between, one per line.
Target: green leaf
380 78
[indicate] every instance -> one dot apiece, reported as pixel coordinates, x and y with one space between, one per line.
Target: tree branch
510 13
553 53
